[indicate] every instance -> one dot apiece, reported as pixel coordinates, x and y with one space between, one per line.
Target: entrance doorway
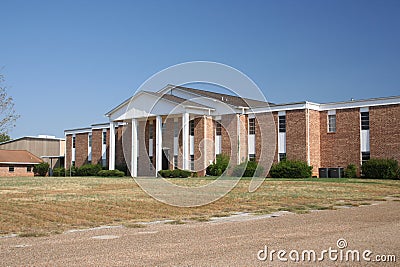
165 159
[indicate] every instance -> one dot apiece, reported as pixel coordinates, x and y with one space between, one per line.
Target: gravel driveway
220 243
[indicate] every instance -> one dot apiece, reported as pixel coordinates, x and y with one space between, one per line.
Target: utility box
337 172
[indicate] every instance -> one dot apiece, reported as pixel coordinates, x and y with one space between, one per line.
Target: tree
8 117
4 137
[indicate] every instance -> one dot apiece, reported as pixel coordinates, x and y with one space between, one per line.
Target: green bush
71 171
88 170
177 173
247 169
41 169
111 173
380 169
123 168
59 172
350 171
291 169
219 167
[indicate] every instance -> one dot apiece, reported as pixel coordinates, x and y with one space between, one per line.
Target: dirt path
375 227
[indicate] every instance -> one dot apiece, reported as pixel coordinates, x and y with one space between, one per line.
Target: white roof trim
19 163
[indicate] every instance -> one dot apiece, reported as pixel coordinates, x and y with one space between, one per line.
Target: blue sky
67 63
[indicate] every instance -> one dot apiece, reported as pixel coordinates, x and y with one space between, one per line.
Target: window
218 127
282 124
282 156
175 162
192 162
28 168
73 141
365 120
332 123
90 140
365 156
191 127
252 126
73 163
89 162
151 131
104 162
104 138
252 157
163 127
151 163
11 168
176 129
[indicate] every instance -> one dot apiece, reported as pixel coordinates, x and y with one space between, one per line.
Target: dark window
252 157
218 127
90 140
191 127
163 127
365 156
332 123
282 156
151 131
192 162
89 162
151 163
104 162
175 162
364 120
104 138
282 124
252 126
73 163
11 169
73 141
28 168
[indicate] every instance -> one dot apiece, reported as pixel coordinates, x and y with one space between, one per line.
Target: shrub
58 172
123 168
88 170
380 169
247 169
71 171
177 173
291 169
41 169
350 171
111 173
219 167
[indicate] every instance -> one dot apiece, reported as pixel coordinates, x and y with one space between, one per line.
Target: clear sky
67 63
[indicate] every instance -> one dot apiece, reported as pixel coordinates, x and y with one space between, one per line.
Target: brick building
180 127
17 163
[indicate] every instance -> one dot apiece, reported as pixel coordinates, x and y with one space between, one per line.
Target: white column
135 148
158 144
185 141
111 158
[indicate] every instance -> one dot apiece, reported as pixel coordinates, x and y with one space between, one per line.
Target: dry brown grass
52 205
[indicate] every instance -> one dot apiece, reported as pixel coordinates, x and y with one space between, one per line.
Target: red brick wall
266 151
68 151
314 138
119 151
342 147
19 171
385 131
81 149
296 135
229 136
97 143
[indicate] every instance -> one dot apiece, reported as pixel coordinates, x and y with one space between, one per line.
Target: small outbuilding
17 163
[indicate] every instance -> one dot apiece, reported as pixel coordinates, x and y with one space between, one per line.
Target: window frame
11 168
282 123
252 126
332 124
364 120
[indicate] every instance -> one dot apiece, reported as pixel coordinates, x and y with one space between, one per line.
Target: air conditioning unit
337 172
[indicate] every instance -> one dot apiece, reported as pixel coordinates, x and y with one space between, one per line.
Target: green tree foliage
8 117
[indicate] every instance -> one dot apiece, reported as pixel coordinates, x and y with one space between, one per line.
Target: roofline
20 163
32 137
